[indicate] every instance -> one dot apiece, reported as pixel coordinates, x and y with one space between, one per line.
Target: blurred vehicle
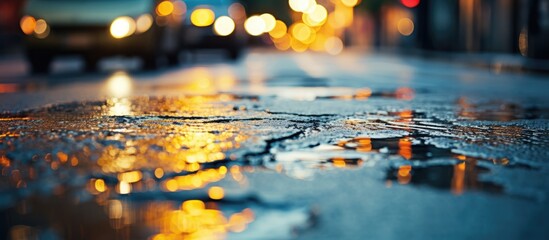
214 24
100 28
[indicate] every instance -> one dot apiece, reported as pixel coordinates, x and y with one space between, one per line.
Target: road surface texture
275 146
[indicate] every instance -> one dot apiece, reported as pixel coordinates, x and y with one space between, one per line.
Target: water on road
275 146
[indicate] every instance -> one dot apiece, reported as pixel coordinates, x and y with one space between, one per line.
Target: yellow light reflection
130 177
405 148
202 17
458 179
404 175
124 187
196 220
159 173
119 85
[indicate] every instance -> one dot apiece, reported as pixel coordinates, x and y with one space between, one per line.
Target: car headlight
122 27
224 26
202 17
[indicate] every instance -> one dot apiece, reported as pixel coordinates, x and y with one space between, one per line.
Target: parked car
214 24
99 28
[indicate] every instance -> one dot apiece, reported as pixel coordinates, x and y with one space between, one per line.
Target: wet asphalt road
274 146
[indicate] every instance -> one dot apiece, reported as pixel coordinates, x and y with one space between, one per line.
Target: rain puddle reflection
176 167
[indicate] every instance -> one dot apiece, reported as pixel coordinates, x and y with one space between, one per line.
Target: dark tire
173 58
39 62
234 53
149 62
91 63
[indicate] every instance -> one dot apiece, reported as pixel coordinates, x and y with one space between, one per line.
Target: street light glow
202 17
270 22
122 27
255 25
224 26
302 5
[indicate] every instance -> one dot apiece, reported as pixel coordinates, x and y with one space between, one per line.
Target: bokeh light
279 29
405 26
254 25
28 24
122 27
302 5
333 45
41 27
216 193
269 21
350 3
410 3
224 26
165 8
144 23
202 17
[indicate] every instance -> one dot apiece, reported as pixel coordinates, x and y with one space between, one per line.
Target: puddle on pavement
157 167
112 217
311 93
130 164
499 111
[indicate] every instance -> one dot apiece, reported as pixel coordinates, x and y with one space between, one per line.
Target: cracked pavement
277 146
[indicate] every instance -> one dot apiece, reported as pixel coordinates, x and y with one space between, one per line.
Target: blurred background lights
318 14
165 8
144 23
224 26
119 85
279 29
269 21
410 3
202 17
405 26
301 32
28 24
333 45
216 193
122 27
301 5
350 3
254 25
41 29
